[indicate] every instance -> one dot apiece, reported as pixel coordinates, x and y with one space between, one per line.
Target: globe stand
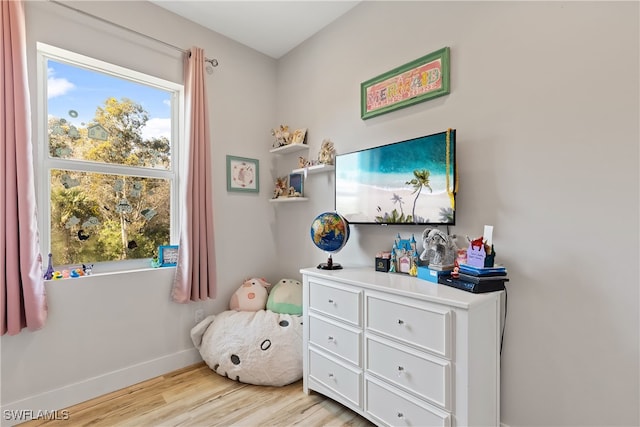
329 265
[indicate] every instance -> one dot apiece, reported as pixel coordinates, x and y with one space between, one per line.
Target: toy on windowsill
76 272
87 269
155 262
57 275
48 275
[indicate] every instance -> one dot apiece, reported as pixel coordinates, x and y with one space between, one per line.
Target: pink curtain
196 270
22 295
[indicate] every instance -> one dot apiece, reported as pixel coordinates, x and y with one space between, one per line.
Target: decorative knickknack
327 153
440 250
284 137
404 256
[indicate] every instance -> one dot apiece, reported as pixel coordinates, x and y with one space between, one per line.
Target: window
109 159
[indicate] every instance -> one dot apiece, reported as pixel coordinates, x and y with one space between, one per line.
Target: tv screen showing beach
407 182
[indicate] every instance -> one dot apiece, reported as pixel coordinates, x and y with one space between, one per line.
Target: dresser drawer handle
331 301
331 375
400 415
400 370
400 322
331 339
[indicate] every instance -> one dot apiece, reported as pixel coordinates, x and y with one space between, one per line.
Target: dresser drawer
336 339
420 324
338 302
428 377
397 409
343 380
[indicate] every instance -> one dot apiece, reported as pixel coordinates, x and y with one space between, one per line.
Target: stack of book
477 279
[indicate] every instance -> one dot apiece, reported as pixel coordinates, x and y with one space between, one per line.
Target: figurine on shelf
327 153
281 187
282 135
293 193
303 163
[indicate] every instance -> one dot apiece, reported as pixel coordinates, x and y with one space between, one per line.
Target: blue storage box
425 273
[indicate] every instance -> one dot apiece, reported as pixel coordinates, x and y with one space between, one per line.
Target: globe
330 232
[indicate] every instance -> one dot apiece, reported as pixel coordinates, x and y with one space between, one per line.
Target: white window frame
45 163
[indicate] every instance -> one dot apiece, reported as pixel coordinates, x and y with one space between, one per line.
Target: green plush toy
286 297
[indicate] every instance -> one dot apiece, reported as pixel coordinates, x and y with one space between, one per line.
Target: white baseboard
90 388
504 425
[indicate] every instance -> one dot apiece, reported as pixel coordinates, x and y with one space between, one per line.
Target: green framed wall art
425 78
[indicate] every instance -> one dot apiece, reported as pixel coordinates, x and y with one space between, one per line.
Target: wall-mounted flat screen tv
406 182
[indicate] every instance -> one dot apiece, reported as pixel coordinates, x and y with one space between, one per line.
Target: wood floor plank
195 396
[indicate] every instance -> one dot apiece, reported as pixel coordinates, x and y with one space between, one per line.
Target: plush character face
251 296
262 347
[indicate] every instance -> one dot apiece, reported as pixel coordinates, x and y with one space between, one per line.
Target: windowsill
108 272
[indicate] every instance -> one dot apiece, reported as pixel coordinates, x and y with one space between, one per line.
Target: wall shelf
288 199
291 148
315 169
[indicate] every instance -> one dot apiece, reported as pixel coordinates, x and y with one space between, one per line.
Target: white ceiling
270 27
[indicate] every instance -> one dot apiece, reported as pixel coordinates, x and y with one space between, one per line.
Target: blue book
483 271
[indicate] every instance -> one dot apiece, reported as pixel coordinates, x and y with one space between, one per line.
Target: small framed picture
168 255
298 136
243 174
296 181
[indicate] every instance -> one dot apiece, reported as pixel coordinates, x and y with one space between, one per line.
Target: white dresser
402 351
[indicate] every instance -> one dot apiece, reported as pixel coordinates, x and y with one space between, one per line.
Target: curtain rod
213 62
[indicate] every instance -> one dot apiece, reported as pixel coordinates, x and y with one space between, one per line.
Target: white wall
545 100
544 97
106 332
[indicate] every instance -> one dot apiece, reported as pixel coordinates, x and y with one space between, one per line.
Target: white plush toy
261 347
251 296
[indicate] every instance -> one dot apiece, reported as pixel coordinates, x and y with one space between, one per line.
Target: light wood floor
196 396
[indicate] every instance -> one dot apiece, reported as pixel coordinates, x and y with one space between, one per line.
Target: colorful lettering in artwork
417 81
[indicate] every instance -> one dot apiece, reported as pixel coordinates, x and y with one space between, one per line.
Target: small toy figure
281 187
293 192
282 135
77 272
327 153
413 271
455 273
87 269
155 261
48 275
303 163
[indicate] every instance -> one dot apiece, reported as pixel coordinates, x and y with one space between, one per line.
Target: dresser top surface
402 284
